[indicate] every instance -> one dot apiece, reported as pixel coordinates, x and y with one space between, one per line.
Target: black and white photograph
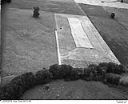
64 50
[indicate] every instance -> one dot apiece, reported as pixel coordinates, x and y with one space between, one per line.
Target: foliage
112 78
106 72
60 71
111 68
18 86
43 76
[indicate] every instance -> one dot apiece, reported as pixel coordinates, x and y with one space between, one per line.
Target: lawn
70 53
75 90
114 32
29 44
56 6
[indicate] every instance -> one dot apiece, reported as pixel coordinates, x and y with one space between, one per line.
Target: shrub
2 2
80 72
115 68
92 70
124 80
43 76
112 78
66 71
112 15
76 73
18 86
11 91
97 73
8 1
102 68
120 69
86 74
36 12
55 70
121 1
5 1
73 76
60 71
26 80
110 68
103 72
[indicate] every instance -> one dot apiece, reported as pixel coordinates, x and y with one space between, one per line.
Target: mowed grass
79 56
74 90
56 6
114 32
0 39
29 44
124 1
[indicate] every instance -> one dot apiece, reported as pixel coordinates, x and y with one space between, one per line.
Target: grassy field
56 6
125 1
31 40
75 90
69 52
30 43
114 32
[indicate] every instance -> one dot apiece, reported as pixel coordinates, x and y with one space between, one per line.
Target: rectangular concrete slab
80 37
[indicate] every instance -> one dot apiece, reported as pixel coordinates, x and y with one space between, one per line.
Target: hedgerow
75 74
60 71
124 80
112 78
106 72
111 68
18 86
5 1
43 76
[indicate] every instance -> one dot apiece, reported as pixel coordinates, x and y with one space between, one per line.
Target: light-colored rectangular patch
108 3
58 51
80 37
